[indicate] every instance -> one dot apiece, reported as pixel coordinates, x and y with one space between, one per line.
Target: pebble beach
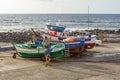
100 63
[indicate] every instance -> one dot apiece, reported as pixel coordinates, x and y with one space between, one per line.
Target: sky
60 6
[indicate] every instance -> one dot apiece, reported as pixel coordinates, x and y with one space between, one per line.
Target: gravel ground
100 63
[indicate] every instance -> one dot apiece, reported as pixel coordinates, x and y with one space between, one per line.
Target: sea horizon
72 21
61 13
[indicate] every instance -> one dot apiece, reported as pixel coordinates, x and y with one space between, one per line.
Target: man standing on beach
82 43
46 44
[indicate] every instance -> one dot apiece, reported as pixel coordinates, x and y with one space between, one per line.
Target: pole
88 17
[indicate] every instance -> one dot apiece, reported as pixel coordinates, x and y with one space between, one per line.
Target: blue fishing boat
54 27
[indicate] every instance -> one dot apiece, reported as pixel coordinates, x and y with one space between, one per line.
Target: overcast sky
60 6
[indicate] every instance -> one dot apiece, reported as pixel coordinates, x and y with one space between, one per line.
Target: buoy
55 33
71 39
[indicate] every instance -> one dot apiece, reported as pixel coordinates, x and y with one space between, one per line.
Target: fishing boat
73 40
53 38
72 47
55 27
56 33
31 50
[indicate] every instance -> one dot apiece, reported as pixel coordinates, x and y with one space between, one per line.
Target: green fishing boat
31 50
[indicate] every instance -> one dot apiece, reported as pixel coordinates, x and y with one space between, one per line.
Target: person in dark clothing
46 44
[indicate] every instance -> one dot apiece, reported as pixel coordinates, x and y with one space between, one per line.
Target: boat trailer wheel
14 55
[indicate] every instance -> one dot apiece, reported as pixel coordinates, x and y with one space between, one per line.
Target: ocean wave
73 21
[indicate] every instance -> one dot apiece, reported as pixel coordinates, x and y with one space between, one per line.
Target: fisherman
82 43
71 34
67 34
77 34
46 44
89 35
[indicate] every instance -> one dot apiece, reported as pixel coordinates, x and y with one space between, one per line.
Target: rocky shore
21 37
107 35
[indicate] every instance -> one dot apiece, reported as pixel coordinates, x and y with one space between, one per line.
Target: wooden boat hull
24 51
89 44
76 49
74 45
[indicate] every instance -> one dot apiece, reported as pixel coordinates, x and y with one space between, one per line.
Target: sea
23 22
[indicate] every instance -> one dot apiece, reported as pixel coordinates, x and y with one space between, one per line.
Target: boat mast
88 17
